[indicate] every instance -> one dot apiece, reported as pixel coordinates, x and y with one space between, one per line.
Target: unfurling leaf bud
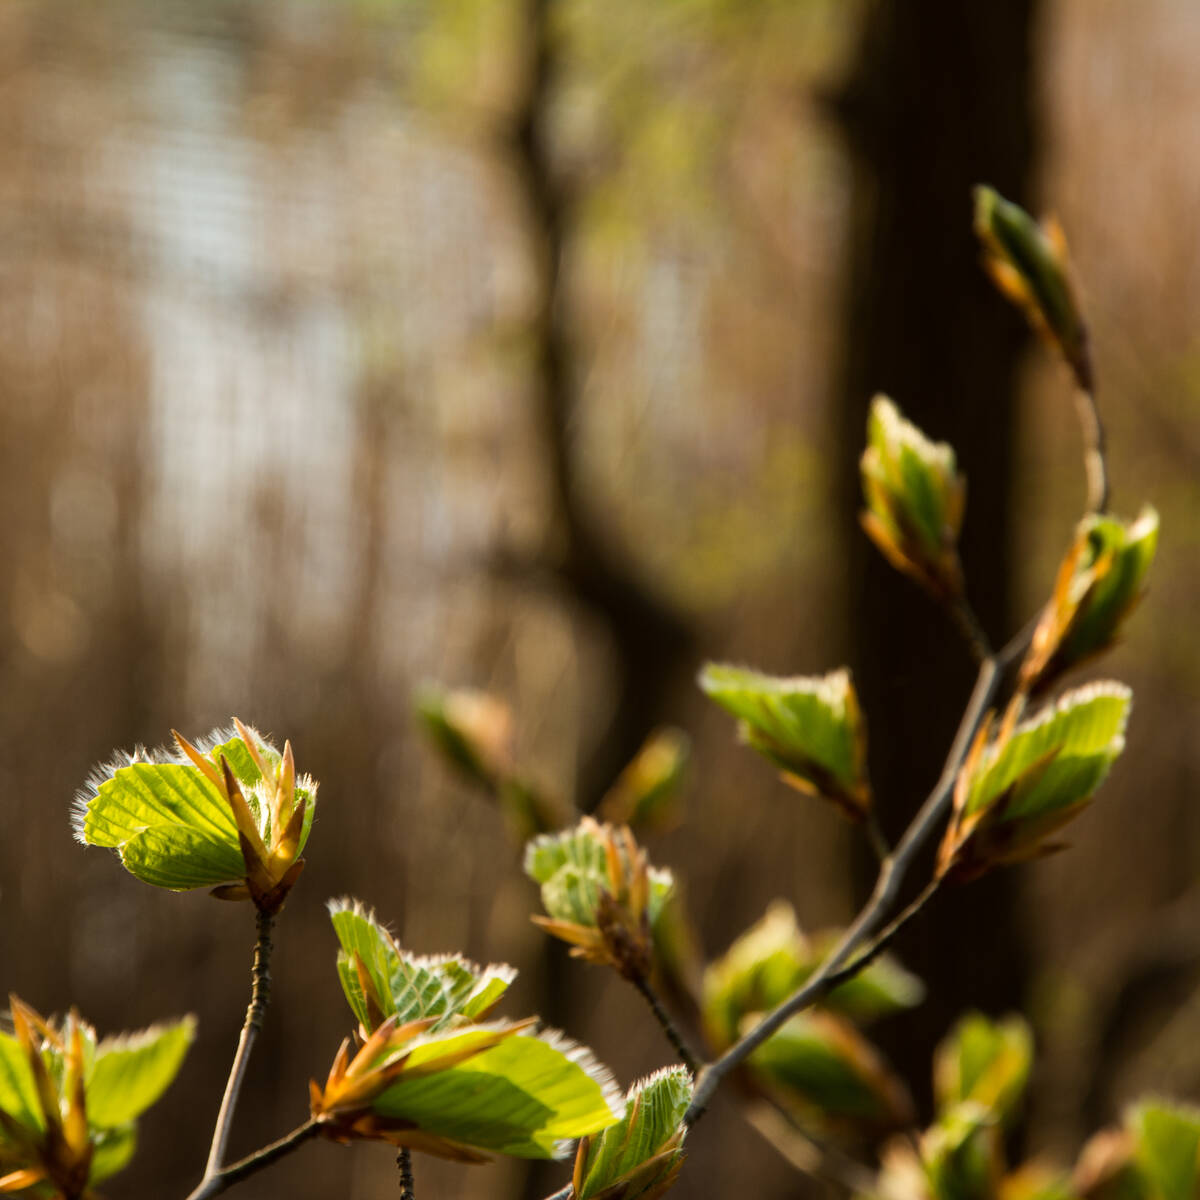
1016 790
600 893
639 1157
474 732
1099 584
811 727
644 793
914 500
229 814
1029 264
984 1062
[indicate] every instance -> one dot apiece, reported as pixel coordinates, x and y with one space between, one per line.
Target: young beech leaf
600 894
809 726
229 811
825 1072
1013 793
639 1157
68 1105
644 793
962 1155
773 958
1099 584
1167 1144
381 980
130 1072
914 500
1029 263
984 1062
473 731
465 1091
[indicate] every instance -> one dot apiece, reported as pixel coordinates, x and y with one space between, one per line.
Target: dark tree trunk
939 99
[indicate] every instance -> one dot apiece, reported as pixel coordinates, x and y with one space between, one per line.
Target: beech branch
887 886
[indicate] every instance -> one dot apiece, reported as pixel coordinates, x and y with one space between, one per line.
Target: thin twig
887 886
563 1193
1094 453
875 836
885 937
663 1017
968 624
404 1162
260 995
219 1181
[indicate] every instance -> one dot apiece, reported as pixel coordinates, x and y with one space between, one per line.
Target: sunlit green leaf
112 1150
129 1073
179 857
640 1154
963 1155
1084 733
18 1093
811 727
1098 586
174 826
573 868
1023 787
526 1096
985 1062
1168 1141
406 985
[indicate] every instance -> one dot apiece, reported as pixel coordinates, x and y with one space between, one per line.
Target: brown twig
404 1162
260 995
1095 459
663 1017
217 1182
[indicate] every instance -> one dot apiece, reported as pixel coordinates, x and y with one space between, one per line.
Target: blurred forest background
526 345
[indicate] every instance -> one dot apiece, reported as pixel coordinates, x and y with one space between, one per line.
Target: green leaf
179 857
644 792
773 958
471 729
580 848
131 1072
1108 581
145 794
1079 738
444 986
170 820
962 1155
811 727
18 1092
984 1062
652 1123
112 1151
1168 1141
526 1096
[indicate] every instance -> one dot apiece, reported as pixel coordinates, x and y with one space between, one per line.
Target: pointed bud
915 498
1029 264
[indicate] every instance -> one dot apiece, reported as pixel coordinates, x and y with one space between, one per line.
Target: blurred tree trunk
649 640
939 98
